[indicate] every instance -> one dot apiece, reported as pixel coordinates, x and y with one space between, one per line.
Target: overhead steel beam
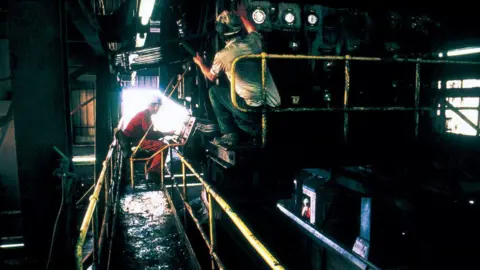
87 24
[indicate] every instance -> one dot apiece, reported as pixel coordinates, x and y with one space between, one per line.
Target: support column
103 138
37 42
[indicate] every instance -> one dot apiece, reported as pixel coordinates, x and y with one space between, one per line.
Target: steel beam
87 24
36 39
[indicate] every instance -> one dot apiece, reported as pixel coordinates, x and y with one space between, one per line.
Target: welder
136 129
240 38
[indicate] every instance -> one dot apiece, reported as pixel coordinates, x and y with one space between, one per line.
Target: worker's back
248 78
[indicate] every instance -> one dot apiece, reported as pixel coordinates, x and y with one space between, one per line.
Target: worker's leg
154 146
222 107
250 122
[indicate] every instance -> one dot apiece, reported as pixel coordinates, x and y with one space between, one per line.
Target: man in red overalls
138 126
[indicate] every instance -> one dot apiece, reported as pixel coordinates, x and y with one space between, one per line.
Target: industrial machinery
362 128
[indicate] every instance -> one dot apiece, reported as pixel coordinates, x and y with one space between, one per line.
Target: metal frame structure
215 198
346 108
108 184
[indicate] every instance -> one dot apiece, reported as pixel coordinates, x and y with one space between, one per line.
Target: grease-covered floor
150 236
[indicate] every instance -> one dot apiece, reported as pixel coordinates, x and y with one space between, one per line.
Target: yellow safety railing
147 159
107 185
346 108
215 198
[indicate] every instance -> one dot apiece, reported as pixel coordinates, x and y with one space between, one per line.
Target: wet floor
150 236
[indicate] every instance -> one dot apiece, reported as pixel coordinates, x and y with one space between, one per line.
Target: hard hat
305 201
228 23
155 99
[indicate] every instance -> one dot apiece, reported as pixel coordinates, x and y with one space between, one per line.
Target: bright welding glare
289 17
171 116
259 16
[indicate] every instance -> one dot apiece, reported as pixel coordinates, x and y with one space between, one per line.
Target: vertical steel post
417 98
162 173
478 119
36 42
345 97
185 195
211 219
264 95
132 182
107 191
172 175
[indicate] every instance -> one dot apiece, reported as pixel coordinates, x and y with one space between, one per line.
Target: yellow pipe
325 57
89 214
147 159
161 172
247 233
199 227
177 84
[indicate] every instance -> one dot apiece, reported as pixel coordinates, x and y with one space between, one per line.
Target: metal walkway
149 237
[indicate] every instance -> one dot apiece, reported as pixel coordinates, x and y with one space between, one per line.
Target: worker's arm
242 13
152 134
204 68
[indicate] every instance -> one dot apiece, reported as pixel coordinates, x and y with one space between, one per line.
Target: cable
85 195
56 222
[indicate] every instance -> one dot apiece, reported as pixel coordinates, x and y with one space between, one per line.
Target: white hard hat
305 201
155 99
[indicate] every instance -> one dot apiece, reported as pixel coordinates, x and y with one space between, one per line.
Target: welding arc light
289 17
312 19
259 16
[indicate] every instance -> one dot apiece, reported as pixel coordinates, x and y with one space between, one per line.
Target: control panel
188 130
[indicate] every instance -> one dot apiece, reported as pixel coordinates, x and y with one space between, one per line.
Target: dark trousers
230 120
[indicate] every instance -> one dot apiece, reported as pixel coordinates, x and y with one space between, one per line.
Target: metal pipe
353 58
211 222
417 97
264 95
82 105
325 241
178 83
161 171
353 109
103 232
90 210
132 182
115 210
200 229
168 85
85 195
184 181
345 97
324 57
247 233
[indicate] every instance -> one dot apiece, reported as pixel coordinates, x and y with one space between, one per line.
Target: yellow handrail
91 208
243 228
265 56
132 160
347 58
